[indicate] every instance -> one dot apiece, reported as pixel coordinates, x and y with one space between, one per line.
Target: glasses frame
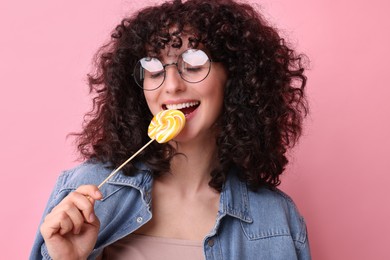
165 72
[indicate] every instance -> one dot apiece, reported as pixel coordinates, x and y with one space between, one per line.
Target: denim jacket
250 225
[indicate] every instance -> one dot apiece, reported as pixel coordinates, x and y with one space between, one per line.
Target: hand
70 230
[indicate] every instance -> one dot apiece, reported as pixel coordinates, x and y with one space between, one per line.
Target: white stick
123 164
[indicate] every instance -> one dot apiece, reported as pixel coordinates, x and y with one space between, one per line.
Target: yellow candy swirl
166 125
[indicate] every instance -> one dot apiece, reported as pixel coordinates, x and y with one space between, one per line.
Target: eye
190 69
194 61
155 75
152 68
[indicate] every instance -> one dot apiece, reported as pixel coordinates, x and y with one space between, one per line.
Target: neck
191 169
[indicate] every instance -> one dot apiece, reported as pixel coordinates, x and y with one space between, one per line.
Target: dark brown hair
264 101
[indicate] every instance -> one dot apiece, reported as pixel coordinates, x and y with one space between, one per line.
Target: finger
91 191
76 217
72 211
56 223
83 204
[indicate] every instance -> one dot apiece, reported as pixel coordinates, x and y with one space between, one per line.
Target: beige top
141 247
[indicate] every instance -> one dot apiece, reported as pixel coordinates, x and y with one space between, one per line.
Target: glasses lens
194 65
149 73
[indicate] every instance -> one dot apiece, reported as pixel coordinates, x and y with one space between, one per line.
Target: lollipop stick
123 164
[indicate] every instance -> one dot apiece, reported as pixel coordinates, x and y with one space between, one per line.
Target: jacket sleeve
298 229
302 246
39 250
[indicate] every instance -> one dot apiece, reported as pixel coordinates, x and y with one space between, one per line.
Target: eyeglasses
193 66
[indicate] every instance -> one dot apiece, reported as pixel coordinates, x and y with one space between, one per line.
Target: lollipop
164 126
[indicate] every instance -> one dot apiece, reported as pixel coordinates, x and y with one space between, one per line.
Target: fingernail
98 194
92 217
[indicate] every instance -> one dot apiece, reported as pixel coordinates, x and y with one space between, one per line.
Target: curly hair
264 101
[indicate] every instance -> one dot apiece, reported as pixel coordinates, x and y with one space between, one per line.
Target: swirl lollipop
164 126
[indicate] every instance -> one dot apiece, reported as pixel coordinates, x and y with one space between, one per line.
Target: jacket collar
142 179
234 199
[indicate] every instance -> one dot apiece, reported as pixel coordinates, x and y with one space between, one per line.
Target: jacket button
210 243
139 219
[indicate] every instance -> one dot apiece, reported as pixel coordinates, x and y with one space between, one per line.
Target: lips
185 107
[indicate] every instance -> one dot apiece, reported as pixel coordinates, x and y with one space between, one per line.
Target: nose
173 82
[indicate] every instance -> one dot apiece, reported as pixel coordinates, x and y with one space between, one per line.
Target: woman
211 192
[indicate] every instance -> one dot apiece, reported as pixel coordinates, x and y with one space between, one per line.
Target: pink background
339 175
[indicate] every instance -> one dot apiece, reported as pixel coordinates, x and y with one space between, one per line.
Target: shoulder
93 172
274 200
274 213
89 172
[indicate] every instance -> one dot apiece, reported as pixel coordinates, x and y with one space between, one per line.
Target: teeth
182 105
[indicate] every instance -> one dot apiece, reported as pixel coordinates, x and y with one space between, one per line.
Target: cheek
217 85
217 92
150 98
